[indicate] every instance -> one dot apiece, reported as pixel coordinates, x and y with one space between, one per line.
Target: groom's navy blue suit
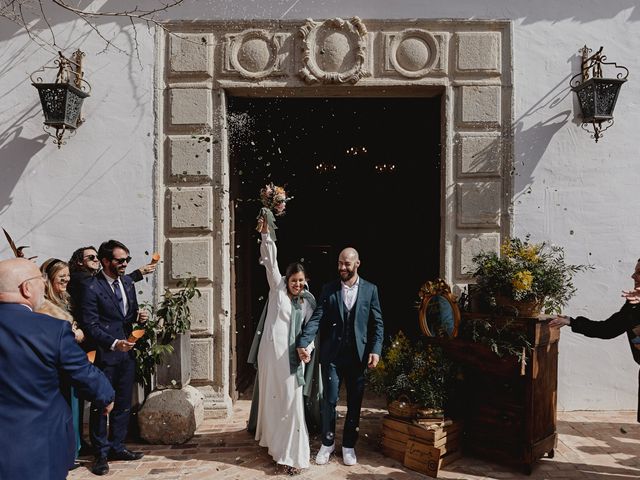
36 428
346 340
104 322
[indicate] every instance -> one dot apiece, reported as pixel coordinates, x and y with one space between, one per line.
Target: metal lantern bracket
597 95
62 100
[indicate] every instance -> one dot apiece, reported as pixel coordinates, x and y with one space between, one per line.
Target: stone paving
591 445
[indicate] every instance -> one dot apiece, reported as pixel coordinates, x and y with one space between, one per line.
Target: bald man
351 330
36 427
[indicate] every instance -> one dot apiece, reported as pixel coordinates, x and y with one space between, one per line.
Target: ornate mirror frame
433 289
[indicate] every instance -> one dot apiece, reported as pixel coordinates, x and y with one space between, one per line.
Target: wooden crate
401 430
416 446
426 459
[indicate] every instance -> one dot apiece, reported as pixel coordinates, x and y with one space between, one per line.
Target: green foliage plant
502 339
526 272
420 372
170 317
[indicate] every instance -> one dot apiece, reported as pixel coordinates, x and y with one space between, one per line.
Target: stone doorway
203 64
357 168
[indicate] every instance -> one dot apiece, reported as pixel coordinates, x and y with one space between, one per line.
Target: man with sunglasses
36 426
84 263
108 309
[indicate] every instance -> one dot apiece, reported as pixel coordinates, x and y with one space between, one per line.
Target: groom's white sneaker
349 456
323 455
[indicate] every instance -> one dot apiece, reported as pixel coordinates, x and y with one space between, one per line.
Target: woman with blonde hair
57 304
57 301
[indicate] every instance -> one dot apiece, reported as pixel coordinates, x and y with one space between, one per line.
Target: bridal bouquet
274 202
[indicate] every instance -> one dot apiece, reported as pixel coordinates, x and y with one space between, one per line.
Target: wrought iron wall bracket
62 100
596 94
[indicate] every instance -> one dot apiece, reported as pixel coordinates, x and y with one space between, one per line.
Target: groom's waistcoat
348 344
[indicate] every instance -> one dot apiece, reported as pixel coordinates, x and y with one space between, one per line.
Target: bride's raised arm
269 254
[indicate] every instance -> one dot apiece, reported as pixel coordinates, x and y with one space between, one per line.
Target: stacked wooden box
423 445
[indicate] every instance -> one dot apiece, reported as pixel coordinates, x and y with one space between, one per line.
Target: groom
351 330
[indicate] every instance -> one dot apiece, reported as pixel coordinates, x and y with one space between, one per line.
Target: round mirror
439 315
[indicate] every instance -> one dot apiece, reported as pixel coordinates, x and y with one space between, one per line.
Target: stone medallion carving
333 51
254 54
412 53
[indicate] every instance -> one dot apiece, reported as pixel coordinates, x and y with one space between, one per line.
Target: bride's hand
262 226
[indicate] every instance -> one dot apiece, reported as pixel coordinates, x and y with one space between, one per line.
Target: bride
277 409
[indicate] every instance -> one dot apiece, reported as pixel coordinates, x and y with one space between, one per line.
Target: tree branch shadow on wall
15 153
82 184
72 33
532 142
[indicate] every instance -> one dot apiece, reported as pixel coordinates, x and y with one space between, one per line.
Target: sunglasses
120 261
91 258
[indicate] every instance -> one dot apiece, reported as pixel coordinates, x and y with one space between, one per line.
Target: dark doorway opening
364 172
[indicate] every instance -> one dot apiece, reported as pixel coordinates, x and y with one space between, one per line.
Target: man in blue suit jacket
351 330
108 309
36 427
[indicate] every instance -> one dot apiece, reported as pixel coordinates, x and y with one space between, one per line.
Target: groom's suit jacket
329 318
103 320
36 427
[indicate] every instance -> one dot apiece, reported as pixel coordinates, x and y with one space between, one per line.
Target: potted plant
165 332
414 377
527 277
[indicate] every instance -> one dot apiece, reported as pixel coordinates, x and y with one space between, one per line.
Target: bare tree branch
135 40
25 13
44 16
147 15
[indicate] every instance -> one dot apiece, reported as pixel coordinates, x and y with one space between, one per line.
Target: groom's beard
346 274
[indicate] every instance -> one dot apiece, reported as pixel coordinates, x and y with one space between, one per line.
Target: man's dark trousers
122 378
347 368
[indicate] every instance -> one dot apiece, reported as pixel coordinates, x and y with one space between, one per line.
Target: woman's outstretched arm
269 254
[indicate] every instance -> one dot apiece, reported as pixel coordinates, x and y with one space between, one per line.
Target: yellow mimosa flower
522 281
505 249
529 252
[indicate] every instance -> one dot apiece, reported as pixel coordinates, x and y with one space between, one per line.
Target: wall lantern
597 95
62 100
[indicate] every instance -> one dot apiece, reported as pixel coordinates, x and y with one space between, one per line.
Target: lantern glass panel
597 97
61 104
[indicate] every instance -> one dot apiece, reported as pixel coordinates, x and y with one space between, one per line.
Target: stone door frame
199 63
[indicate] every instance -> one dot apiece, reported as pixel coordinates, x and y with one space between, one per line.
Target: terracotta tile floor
591 445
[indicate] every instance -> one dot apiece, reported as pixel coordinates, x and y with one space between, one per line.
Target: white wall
97 186
568 189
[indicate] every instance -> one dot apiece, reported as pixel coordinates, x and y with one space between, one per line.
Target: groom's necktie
118 294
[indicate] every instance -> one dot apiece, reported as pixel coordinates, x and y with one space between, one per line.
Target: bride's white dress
280 424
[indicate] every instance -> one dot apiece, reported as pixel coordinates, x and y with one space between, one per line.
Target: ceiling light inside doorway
355 151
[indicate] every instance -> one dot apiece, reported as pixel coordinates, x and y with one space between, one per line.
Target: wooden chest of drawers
509 412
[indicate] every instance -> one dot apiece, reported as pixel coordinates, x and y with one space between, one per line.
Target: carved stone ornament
412 53
333 51
254 54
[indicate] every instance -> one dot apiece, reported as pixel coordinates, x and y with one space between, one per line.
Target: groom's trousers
347 369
